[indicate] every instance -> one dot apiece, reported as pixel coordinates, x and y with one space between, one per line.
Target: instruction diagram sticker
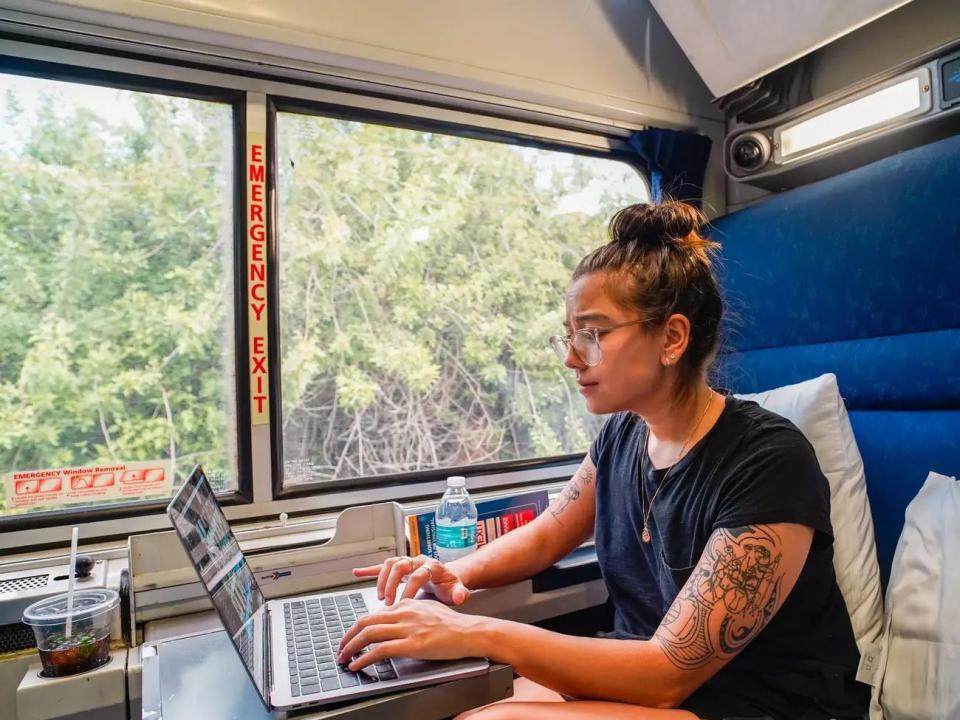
55 487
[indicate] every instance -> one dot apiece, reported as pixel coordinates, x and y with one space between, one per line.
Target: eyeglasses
585 343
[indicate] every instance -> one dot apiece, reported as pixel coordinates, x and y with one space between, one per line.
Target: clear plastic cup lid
86 603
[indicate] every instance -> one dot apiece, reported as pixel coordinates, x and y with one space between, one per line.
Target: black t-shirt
752 467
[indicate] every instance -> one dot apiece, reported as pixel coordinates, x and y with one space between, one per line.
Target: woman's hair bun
669 223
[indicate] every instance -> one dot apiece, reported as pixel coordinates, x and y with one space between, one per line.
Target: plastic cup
88 646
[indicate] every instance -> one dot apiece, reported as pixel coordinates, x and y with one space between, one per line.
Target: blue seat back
859 275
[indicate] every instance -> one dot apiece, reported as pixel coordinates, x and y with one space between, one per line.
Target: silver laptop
289 646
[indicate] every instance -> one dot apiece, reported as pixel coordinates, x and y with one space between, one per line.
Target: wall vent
32 582
20 589
15 637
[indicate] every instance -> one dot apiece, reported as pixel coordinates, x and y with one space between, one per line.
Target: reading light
916 103
872 109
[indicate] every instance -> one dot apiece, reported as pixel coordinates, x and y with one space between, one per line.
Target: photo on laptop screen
215 553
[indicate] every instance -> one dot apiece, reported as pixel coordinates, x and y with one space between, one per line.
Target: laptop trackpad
408 666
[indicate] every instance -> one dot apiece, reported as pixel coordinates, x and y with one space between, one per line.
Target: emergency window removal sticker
54 487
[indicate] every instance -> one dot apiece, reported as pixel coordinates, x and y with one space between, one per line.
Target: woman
710 514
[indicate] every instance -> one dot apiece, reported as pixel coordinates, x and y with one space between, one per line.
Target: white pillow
816 408
921 681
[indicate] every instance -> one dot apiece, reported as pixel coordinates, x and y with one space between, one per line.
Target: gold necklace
645 511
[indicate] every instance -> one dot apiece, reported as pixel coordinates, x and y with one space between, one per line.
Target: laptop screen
215 553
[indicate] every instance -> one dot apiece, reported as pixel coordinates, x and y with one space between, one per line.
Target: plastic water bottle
456 522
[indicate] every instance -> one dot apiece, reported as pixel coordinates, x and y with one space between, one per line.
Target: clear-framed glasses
585 343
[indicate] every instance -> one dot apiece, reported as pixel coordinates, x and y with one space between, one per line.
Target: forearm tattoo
581 480
729 597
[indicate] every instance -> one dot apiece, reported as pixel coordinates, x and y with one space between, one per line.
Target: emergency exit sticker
55 487
257 277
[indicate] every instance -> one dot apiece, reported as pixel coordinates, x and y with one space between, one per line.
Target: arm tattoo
727 600
582 479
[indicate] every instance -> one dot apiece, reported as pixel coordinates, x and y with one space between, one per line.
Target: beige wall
609 58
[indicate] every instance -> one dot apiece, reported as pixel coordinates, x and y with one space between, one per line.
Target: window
116 316
420 275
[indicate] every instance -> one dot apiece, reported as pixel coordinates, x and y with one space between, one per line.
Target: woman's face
630 373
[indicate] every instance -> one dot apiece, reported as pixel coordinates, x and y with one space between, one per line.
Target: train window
420 275
116 316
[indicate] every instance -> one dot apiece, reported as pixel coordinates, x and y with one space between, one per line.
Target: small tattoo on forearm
571 493
586 476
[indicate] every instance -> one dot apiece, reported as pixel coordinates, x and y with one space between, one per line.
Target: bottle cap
456 481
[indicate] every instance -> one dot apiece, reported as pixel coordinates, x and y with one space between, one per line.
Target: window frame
126 64
236 101
294 105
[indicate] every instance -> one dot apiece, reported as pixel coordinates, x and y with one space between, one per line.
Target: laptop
288 646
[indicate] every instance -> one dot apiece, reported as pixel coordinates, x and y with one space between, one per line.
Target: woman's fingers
389 649
418 578
356 628
384 617
459 594
367 571
400 569
371 634
385 571
394 570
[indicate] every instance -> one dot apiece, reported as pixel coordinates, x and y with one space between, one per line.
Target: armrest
580 566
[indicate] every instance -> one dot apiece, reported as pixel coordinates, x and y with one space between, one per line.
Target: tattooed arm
741 580
574 509
527 550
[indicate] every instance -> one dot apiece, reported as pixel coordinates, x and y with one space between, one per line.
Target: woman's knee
514 711
528 690
489 712
523 691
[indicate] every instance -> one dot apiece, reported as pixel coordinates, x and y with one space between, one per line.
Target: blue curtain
676 161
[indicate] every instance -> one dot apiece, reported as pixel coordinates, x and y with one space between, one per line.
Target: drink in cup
87 644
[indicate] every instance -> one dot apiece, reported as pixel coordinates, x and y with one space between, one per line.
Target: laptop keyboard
314 628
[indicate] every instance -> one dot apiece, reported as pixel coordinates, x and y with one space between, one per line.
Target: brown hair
667 268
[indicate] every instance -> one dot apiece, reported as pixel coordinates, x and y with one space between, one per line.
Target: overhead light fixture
870 110
914 104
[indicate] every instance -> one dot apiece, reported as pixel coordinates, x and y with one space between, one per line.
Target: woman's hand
420 572
421 629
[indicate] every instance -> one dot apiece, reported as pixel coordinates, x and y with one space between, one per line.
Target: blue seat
859 275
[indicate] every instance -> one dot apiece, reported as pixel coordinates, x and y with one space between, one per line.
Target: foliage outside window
420 276
116 316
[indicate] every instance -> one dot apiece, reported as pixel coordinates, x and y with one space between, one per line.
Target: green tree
420 277
116 245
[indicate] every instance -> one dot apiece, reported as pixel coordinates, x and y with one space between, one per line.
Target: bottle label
456 536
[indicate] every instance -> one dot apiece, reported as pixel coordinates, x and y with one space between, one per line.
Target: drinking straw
73 563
